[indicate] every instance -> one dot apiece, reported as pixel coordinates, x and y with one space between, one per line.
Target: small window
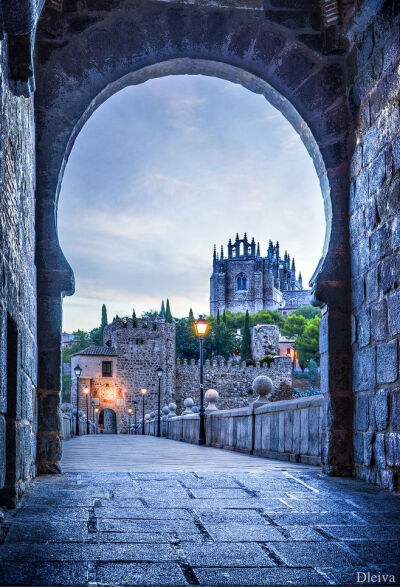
288 351
241 282
106 369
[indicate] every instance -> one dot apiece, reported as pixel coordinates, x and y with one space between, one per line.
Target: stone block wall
18 343
374 70
141 350
233 382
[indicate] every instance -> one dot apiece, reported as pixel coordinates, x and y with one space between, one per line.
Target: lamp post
159 375
78 372
143 391
86 392
94 425
135 404
129 421
96 411
201 328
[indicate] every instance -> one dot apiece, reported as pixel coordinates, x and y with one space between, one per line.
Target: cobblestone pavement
280 526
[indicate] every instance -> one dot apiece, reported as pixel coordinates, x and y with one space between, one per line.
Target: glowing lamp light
129 410
201 327
86 391
96 410
159 372
143 391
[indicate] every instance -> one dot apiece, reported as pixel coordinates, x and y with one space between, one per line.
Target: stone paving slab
276 526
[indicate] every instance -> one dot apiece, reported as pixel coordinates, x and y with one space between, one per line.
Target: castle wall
233 382
18 342
375 243
141 350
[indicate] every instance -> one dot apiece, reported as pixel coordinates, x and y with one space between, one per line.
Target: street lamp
129 416
92 403
86 392
135 404
201 328
143 391
78 372
159 375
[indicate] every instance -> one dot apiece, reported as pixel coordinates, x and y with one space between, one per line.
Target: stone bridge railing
286 430
68 423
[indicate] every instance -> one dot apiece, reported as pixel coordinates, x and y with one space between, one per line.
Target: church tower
244 280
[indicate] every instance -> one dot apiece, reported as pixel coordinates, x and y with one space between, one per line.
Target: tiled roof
97 350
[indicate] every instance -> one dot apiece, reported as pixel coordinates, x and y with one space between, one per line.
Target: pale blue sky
163 170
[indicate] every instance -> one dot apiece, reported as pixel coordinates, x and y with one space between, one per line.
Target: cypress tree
162 311
104 322
168 315
191 316
224 317
134 319
218 318
245 347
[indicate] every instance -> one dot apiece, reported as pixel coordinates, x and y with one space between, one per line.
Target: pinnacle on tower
258 249
215 251
245 237
237 237
222 251
293 265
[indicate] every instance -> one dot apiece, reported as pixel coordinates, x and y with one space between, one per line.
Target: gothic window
241 282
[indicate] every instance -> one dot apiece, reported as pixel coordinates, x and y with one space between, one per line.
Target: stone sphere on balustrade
188 403
152 415
172 407
212 395
262 386
165 410
147 417
195 409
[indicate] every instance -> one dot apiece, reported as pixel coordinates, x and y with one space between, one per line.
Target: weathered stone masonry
374 93
18 348
233 382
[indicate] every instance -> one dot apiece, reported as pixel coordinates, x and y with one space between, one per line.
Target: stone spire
258 250
222 251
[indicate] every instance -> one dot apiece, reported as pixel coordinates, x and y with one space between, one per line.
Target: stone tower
244 280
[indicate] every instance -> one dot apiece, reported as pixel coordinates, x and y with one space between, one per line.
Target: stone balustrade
286 430
68 423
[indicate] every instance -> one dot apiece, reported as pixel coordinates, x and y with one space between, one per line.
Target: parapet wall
285 430
233 382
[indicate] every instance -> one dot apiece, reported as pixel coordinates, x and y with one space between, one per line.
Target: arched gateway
84 55
108 421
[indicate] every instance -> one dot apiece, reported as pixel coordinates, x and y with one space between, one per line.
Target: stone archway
108 421
83 57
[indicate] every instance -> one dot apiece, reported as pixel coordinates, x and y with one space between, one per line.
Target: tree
150 314
224 316
218 318
307 344
187 346
191 316
307 311
245 347
221 341
267 317
134 319
168 315
294 325
313 374
96 336
162 311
